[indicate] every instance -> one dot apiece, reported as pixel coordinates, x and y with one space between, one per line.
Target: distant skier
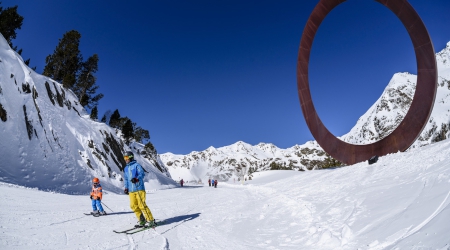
134 186
212 183
96 198
209 182
181 182
215 184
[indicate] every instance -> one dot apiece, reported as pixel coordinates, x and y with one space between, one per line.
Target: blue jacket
133 170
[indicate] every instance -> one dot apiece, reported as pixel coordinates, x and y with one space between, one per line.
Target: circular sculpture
419 112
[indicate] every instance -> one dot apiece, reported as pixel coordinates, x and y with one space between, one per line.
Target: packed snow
400 202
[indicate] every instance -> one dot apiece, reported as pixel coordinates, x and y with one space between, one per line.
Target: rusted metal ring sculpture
419 112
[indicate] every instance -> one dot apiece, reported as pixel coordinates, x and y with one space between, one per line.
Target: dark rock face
26 88
3 113
116 151
59 97
28 124
35 96
49 93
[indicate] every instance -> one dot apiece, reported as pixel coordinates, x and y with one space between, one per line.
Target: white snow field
400 202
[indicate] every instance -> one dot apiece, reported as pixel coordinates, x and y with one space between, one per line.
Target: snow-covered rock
240 160
388 111
48 141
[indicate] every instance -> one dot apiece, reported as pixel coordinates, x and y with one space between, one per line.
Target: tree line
66 65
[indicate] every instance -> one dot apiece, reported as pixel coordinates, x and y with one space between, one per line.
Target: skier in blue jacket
134 187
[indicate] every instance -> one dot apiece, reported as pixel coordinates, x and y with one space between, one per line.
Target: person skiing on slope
96 198
134 186
212 183
181 182
209 182
215 184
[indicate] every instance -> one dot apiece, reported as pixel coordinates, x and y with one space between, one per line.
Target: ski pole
106 206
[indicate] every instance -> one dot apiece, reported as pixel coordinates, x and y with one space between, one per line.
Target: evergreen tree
85 87
94 114
127 131
122 121
106 117
150 149
10 21
114 119
141 135
65 62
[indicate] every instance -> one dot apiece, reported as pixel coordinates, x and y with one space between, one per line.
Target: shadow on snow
181 218
178 220
119 213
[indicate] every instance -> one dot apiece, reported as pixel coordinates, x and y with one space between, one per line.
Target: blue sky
210 73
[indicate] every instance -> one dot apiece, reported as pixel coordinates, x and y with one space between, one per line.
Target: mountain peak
377 123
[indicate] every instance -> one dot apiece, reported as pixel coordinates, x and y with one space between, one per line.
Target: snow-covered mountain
241 159
388 111
48 141
378 122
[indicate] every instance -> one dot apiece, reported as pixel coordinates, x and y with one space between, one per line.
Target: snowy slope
378 122
49 142
400 202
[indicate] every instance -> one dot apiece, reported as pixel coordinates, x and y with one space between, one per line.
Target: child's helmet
129 154
95 180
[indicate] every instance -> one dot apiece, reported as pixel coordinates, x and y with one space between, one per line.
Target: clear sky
210 73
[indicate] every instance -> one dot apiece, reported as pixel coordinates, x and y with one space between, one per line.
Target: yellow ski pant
138 205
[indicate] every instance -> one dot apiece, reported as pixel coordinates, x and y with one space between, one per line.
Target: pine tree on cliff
114 120
94 114
10 21
128 131
85 87
64 63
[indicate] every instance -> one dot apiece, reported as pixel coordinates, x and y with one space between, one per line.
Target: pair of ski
95 215
133 230
137 229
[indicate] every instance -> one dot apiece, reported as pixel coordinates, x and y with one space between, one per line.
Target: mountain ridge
378 122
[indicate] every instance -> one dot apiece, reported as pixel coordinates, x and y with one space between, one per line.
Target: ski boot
140 224
151 224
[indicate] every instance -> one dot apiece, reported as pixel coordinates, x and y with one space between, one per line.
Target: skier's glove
91 197
134 180
98 198
125 191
